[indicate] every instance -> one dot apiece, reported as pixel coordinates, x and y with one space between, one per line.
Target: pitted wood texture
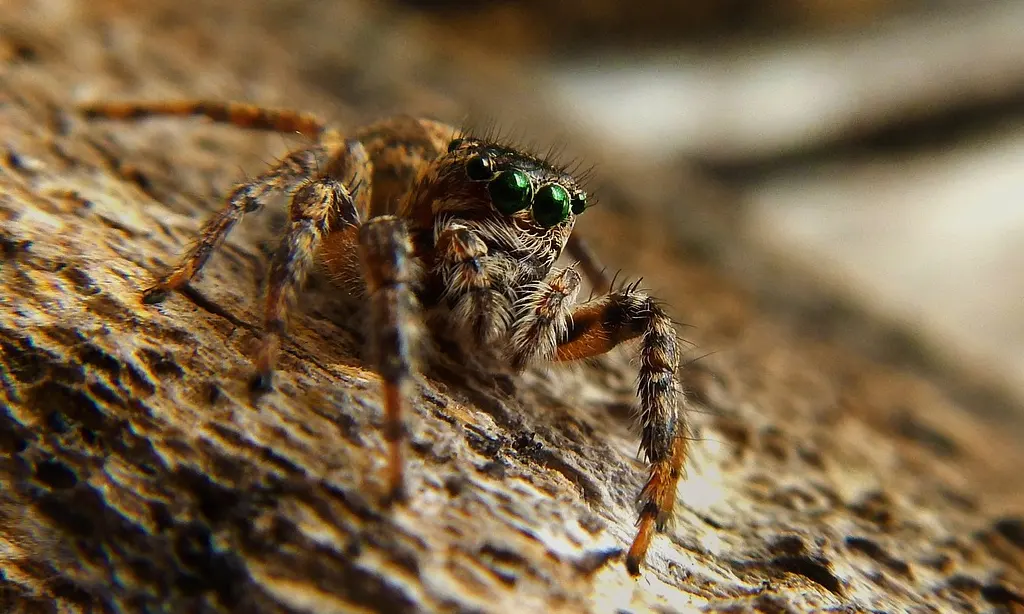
138 474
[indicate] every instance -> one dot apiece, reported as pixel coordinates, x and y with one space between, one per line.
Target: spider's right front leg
471 277
386 255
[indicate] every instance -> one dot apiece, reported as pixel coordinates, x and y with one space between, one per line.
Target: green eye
551 206
510 191
480 167
579 203
454 145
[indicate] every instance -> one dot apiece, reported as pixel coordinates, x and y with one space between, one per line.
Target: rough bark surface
138 474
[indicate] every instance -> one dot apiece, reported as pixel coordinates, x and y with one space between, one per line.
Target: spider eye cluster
512 191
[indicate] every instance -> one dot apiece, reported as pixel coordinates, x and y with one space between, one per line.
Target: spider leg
471 277
386 254
541 318
588 263
244 198
596 327
325 203
237 114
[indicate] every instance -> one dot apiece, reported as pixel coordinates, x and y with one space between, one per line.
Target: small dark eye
579 203
480 167
551 206
455 144
510 191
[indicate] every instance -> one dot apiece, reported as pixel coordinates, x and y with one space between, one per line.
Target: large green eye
579 203
480 167
551 206
510 191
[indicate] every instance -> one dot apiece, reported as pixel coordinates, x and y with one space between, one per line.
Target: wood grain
138 475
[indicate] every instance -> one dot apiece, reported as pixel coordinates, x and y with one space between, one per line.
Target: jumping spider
455 231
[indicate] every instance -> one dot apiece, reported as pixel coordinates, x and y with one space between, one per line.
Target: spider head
518 184
522 199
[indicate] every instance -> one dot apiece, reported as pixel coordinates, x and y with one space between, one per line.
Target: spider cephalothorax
450 235
499 218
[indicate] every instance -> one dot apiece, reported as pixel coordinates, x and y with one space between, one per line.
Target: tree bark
138 474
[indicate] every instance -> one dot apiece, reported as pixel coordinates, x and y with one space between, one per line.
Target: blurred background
876 145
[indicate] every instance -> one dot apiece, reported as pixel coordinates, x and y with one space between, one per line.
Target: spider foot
394 435
261 382
395 494
638 550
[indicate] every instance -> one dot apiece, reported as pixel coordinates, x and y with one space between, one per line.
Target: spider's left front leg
541 318
597 326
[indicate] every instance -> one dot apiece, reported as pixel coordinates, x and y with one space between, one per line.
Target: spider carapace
451 235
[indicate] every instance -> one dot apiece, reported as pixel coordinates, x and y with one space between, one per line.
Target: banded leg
598 326
244 198
541 318
386 253
238 114
471 276
324 204
588 262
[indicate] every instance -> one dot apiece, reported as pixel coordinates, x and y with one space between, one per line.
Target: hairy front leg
541 318
386 255
472 280
596 327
